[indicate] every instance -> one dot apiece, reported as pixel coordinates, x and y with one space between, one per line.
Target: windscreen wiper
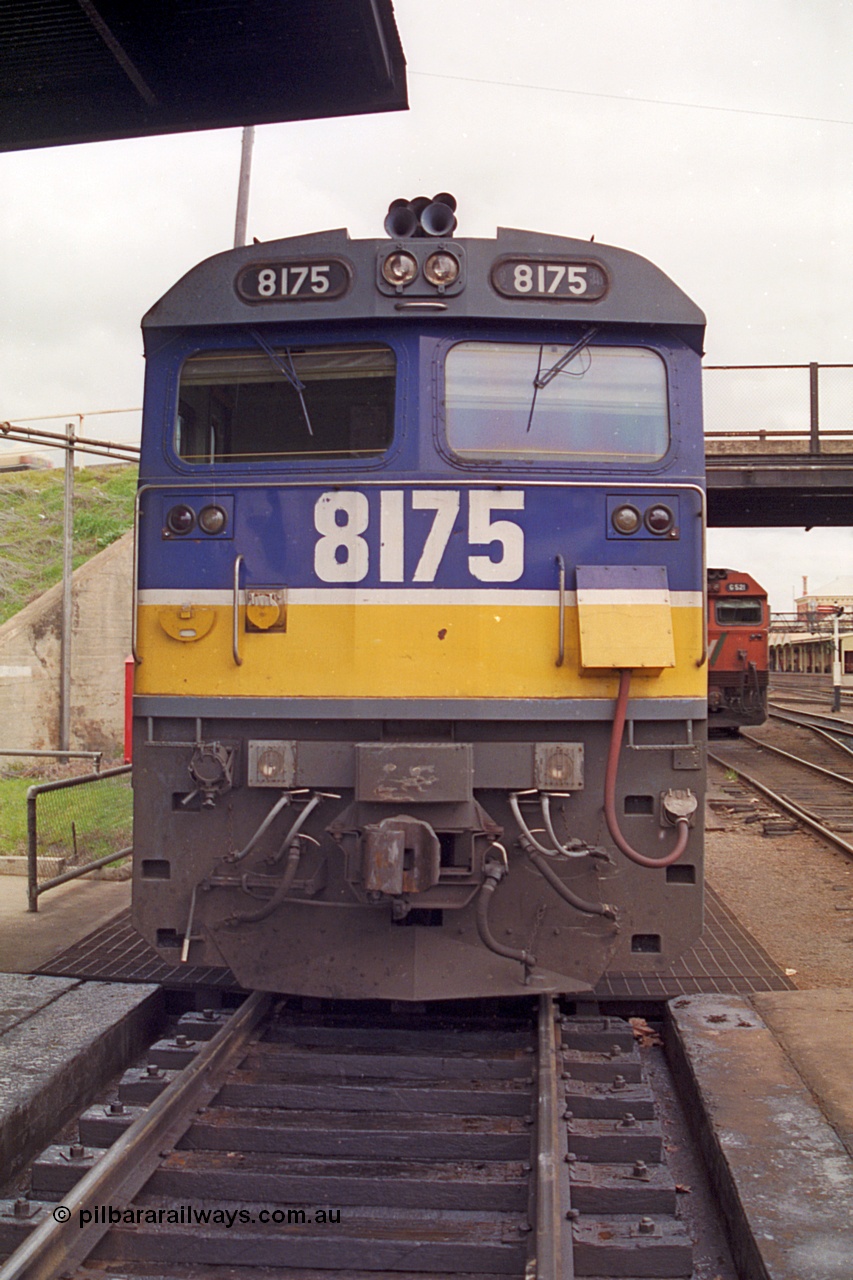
542 379
288 371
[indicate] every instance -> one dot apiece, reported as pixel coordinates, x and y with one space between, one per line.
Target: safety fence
778 409
76 825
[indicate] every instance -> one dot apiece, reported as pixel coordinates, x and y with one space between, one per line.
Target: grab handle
134 618
561 630
235 614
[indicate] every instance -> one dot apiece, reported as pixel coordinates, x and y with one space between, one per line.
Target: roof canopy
88 70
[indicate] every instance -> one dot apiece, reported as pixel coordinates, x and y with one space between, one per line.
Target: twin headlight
181 520
441 269
658 519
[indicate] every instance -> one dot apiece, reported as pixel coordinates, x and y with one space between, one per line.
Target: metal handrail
33 886
96 756
771 431
235 625
561 629
729 367
810 433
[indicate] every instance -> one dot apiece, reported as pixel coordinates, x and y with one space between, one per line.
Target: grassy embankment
31 525
31 522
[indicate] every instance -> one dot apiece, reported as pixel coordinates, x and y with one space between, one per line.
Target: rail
70 833
57 1246
553 1240
779 409
784 803
402 1117
817 796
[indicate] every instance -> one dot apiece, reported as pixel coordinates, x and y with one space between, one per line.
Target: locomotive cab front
420 688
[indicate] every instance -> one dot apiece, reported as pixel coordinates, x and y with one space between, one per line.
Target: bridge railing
778 409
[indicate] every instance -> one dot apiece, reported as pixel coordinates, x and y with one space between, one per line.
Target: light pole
243 186
67 598
836 662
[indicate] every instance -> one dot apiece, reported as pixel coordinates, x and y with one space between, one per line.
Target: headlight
212 519
181 519
658 519
626 519
271 763
441 269
399 268
558 766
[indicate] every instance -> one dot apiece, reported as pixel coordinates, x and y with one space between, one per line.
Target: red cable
610 789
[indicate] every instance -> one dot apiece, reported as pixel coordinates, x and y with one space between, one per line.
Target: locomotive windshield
286 403
733 613
552 403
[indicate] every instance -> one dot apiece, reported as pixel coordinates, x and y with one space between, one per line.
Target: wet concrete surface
60 1040
780 1170
815 1028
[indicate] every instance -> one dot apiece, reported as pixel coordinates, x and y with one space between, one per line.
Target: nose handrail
235 613
134 617
561 630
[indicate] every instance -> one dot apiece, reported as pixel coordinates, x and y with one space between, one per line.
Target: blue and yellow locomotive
420 694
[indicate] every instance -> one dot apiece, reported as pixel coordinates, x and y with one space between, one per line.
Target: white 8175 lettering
342 553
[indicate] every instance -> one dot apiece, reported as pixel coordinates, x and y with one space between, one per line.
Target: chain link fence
76 825
778 409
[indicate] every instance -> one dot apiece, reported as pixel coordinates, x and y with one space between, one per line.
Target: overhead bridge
779 444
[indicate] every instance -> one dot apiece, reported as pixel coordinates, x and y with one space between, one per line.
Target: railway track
525 1145
805 687
838 731
802 763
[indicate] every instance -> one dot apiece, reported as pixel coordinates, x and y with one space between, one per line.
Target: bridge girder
757 492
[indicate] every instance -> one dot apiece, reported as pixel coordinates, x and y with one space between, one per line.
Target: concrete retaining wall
101 637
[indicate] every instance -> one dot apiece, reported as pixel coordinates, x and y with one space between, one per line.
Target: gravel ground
792 892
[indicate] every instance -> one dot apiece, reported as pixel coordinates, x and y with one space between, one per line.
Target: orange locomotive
738 625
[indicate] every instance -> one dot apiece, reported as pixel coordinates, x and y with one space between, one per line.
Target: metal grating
117 953
726 960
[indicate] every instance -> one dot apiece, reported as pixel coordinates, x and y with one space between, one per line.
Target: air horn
408 219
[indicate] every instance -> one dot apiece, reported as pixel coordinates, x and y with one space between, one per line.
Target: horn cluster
422 217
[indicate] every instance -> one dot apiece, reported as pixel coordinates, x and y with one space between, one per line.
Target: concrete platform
30 938
769 1083
60 1041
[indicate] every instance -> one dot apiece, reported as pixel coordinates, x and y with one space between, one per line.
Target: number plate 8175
555 278
295 281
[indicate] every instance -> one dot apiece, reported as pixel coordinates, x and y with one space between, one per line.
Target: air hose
290 869
493 873
683 823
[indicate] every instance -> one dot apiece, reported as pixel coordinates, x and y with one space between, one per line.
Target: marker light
659 519
212 519
626 519
270 763
180 519
399 268
441 269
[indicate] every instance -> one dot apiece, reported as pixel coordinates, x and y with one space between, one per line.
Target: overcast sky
715 138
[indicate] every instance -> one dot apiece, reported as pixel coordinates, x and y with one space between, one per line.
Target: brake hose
619 840
492 876
281 892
